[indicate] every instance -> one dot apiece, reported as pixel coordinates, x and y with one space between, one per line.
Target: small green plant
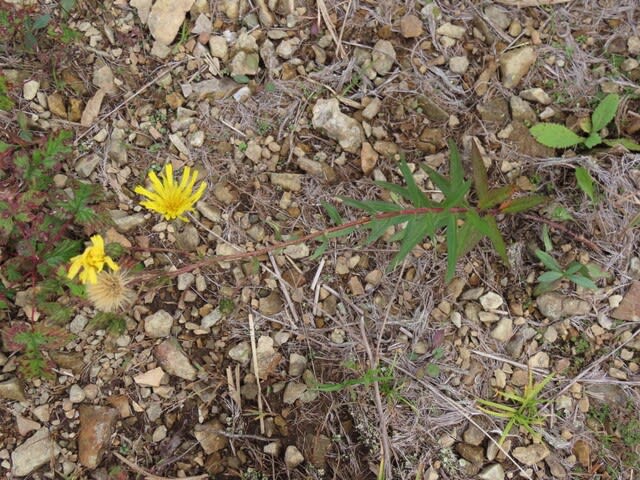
555 135
586 183
524 411
5 102
418 216
576 272
242 146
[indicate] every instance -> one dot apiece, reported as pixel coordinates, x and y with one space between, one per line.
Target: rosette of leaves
465 224
555 135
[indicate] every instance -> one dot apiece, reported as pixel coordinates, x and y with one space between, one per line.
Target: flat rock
537 95
521 110
328 118
297 364
383 57
245 63
87 164
209 437
127 223
503 331
104 80
55 101
173 360
293 391
411 26
12 389
25 425
491 301
143 7
96 427
267 357
451 31
291 182
531 454
188 239
34 452
471 453
30 89
241 353
629 307
271 304
166 17
368 158
151 378
555 306
117 146
515 64
492 472
459 64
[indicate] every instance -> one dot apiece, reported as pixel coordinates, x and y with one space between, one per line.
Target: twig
254 354
150 476
285 293
322 10
563 229
531 3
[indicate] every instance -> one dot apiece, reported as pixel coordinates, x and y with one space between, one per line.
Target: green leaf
333 213
416 196
62 252
318 252
548 261
574 267
41 21
241 79
555 135
546 239
441 182
415 231
592 140
371 206
452 247
560 213
595 272
625 142
489 228
583 281
480 177
585 182
379 227
468 238
548 277
604 112
456 172
4 146
496 196
524 203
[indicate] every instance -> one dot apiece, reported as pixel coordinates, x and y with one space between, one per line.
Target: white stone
30 89
158 324
491 301
292 457
459 64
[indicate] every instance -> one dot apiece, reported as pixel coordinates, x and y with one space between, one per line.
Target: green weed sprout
576 272
525 413
555 135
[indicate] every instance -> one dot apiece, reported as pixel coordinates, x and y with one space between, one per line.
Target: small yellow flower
91 262
111 292
169 198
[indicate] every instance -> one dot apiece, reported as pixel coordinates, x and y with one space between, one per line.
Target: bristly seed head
111 292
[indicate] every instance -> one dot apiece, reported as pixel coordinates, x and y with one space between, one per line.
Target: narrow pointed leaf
480 177
333 213
456 195
548 277
496 196
585 182
441 182
379 227
397 189
548 261
583 281
521 204
452 247
456 172
468 238
417 196
416 230
488 227
592 140
604 112
318 252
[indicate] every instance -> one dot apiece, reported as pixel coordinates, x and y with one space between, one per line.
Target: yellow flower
168 197
91 261
111 292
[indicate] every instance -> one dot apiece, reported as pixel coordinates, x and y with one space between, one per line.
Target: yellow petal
91 276
196 196
143 191
168 174
185 178
75 267
155 181
98 242
112 265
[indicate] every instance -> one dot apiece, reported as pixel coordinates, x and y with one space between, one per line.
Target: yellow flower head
169 198
91 262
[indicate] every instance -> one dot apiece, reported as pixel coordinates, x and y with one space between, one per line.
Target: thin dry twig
150 476
254 354
322 11
531 3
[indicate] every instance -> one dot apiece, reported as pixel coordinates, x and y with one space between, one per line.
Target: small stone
515 64
473 435
209 437
301 250
241 353
143 7
87 164
328 118
185 280
297 364
539 360
76 394
158 324
272 449
166 18
459 64
471 453
291 182
531 454
42 413
383 57
103 79
117 148
522 111
368 158
78 323
244 63
293 391
218 47
551 334
266 356
188 239
292 457
56 105
536 95
372 109
287 48
30 89
271 304
34 452
451 31
174 361
159 434
633 45
491 301
96 427
555 306
492 472
12 389
211 319
497 16
151 378
503 331
411 26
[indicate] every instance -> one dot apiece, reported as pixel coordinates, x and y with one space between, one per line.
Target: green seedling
418 217
576 272
524 409
586 183
555 135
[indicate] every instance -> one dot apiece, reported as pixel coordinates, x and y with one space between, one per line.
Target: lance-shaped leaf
452 247
480 178
604 112
416 196
496 196
414 232
555 135
625 142
371 206
489 228
523 203
333 213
